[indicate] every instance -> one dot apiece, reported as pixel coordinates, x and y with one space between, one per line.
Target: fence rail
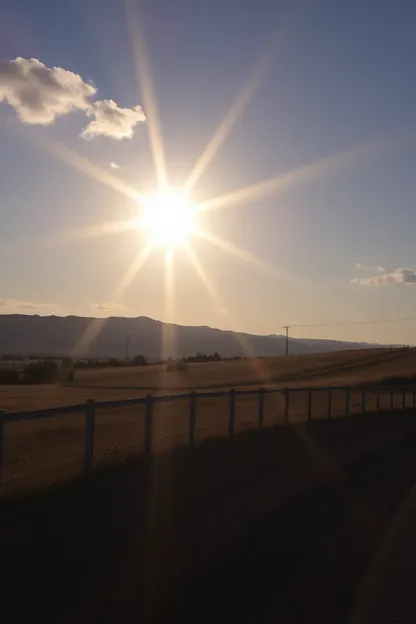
90 407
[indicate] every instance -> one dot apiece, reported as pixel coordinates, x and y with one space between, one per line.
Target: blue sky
339 88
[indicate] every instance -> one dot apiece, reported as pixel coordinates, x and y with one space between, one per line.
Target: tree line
47 370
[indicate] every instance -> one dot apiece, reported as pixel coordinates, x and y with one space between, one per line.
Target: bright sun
168 217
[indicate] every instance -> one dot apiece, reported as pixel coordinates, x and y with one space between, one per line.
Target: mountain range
114 337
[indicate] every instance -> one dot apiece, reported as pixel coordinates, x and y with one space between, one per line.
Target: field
278 526
51 449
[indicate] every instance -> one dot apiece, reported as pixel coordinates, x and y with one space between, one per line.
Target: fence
382 398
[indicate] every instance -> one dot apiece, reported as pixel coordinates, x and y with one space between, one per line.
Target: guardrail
90 407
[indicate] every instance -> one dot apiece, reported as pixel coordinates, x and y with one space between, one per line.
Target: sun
168 217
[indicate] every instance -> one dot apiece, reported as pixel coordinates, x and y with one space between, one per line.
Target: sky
317 97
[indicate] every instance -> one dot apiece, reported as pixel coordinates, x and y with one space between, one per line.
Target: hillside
82 336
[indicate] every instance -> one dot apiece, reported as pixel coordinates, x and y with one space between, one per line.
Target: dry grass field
279 526
52 449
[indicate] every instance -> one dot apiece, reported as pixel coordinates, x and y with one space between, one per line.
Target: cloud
114 165
369 268
110 305
39 94
398 276
112 121
16 304
219 310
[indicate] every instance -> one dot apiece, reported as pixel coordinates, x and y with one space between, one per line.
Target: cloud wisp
398 276
114 165
39 94
106 306
15 305
369 268
112 121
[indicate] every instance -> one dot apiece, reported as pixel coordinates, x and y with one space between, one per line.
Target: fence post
309 404
261 408
329 402
1 446
89 435
404 399
347 401
363 401
148 423
192 417
286 399
391 399
232 413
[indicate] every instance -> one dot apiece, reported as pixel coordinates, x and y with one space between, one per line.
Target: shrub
9 376
139 360
41 373
70 378
176 365
203 357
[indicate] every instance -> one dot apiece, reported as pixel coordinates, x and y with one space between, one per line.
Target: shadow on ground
273 525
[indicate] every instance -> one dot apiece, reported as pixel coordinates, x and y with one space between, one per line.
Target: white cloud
114 165
398 276
12 305
112 121
369 268
39 94
105 306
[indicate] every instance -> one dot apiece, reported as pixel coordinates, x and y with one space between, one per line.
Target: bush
70 378
9 357
203 357
139 360
8 376
42 373
176 365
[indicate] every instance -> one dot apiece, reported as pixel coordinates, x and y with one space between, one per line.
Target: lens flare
168 218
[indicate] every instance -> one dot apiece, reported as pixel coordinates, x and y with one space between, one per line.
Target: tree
41 373
9 376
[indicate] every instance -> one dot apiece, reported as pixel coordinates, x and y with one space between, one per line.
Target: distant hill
81 336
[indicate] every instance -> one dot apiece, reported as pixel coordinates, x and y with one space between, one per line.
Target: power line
348 323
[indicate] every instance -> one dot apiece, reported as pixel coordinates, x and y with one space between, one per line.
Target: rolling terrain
52 449
71 335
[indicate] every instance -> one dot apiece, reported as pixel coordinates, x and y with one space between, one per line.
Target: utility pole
286 328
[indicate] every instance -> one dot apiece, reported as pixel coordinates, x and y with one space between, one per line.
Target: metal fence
295 405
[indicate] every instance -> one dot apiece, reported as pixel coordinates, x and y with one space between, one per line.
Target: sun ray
203 275
91 332
323 168
254 362
267 57
96 325
239 253
140 54
85 166
168 338
103 229
223 130
131 273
